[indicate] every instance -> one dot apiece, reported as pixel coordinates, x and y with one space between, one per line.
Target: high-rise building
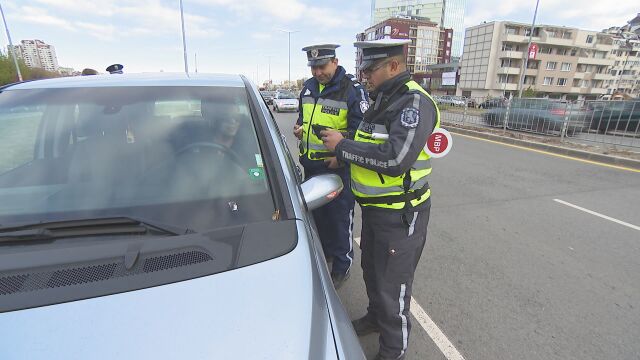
570 63
430 44
446 13
37 54
454 19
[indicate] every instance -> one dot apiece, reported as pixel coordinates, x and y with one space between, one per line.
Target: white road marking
432 329
598 214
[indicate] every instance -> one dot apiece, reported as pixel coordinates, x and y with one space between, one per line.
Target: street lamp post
289 32
526 57
184 41
11 49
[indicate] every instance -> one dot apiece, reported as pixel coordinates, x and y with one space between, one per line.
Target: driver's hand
297 131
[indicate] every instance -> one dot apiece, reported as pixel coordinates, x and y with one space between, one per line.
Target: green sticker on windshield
256 173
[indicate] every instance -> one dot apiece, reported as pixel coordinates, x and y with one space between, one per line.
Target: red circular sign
437 143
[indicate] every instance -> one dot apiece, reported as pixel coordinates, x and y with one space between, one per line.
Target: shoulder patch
308 92
410 117
364 106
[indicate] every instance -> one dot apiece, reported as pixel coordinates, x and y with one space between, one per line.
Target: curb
581 154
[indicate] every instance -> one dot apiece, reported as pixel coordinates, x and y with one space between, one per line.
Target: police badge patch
409 118
364 106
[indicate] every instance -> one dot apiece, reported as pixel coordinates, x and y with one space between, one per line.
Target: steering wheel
226 152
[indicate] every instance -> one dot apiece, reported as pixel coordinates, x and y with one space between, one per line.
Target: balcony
511 54
520 38
509 71
595 61
602 77
548 40
580 75
506 87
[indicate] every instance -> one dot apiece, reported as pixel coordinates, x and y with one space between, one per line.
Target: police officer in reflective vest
330 99
389 173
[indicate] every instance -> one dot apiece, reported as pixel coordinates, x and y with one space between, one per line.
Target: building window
551 65
547 81
562 82
566 67
574 52
589 39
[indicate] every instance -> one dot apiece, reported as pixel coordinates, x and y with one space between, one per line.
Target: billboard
449 78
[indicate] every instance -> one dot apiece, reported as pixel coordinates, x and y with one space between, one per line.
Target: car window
156 150
19 128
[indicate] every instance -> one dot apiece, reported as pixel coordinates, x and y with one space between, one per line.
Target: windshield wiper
43 231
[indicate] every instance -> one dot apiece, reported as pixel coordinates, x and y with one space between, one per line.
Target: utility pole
11 49
195 55
184 41
526 57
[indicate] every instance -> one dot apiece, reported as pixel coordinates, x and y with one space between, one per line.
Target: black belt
392 199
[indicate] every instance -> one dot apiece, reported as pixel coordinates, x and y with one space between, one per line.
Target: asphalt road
509 272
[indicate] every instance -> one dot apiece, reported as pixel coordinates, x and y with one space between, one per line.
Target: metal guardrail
611 123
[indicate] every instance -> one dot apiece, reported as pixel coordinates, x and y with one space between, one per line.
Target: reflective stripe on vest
367 184
331 113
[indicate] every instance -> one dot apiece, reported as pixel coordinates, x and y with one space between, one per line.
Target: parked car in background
451 100
618 115
285 101
493 103
268 96
154 216
545 116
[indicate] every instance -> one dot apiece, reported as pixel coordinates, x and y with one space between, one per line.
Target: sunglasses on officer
376 67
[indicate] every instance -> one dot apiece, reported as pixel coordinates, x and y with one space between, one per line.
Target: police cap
318 55
115 69
375 50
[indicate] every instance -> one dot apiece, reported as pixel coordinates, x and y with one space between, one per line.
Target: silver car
159 216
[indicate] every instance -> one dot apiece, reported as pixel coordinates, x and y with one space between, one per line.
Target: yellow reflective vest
377 190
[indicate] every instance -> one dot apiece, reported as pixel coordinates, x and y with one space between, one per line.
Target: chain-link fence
611 123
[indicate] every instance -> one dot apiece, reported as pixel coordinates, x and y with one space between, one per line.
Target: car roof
142 79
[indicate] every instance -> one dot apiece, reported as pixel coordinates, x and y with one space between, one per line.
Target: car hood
263 311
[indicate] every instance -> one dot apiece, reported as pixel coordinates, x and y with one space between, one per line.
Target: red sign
439 143
533 51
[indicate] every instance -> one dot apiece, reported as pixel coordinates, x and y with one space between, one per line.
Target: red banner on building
533 51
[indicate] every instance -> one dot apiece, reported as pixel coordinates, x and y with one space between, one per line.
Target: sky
244 36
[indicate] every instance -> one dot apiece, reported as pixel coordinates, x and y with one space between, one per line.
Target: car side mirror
320 190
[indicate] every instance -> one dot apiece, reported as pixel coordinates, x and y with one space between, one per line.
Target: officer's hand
332 163
297 131
331 138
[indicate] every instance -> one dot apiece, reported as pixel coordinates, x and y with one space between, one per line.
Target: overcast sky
238 36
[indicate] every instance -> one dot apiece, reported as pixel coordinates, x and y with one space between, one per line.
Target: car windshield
182 155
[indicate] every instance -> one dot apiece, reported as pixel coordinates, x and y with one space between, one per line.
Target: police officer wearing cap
115 69
389 177
330 99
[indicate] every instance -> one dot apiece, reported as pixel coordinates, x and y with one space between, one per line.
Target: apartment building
429 45
37 54
570 63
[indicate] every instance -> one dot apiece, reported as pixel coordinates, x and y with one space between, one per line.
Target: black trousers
391 244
